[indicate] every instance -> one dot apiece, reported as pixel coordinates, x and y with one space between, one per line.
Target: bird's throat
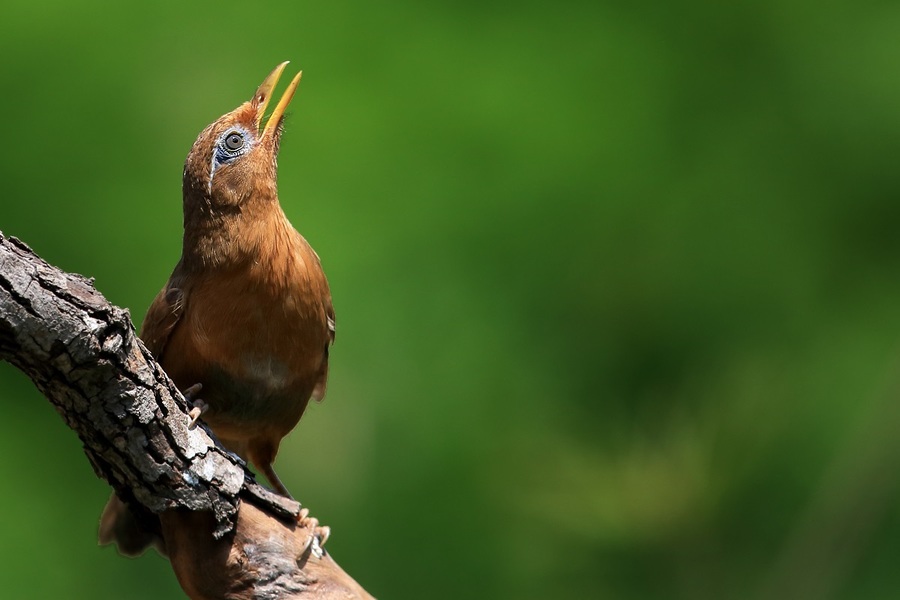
252 233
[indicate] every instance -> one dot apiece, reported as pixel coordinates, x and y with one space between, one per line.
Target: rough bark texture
83 354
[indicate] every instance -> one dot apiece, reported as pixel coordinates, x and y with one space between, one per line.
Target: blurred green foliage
616 283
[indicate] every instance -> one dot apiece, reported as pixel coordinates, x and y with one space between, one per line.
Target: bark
227 536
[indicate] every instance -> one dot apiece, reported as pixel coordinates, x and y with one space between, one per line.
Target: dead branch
226 536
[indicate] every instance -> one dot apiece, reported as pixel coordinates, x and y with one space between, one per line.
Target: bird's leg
320 533
198 406
192 391
269 472
262 455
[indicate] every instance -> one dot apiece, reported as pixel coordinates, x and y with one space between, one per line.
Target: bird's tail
132 534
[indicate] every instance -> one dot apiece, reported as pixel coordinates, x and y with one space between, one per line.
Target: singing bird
246 320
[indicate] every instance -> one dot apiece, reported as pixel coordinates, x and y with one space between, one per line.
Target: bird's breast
271 336
261 333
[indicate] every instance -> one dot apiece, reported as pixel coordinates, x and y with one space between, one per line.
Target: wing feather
322 383
162 317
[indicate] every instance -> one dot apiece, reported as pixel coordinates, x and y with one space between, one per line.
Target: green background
617 283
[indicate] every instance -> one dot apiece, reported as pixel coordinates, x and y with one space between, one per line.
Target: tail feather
131 533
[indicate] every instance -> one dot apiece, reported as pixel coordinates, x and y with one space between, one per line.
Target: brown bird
246 320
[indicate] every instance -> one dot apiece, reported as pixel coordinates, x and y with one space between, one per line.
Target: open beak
264 94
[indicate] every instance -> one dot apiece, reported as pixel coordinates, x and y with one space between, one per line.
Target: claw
200 407
318 534
323 533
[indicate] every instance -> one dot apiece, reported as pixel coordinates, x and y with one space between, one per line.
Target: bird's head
234 158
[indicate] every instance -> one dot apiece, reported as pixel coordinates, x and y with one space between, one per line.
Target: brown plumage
247 311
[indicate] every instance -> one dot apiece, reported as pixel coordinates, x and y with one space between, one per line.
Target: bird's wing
322 383
162 317
329 311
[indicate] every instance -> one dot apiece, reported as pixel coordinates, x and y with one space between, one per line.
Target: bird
245 322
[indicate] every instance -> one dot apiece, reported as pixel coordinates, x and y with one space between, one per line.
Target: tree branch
83 355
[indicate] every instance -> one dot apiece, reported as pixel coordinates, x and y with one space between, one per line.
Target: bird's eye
230 146
234 141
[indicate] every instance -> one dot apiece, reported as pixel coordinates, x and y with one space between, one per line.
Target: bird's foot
319 534
198 406
192 391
